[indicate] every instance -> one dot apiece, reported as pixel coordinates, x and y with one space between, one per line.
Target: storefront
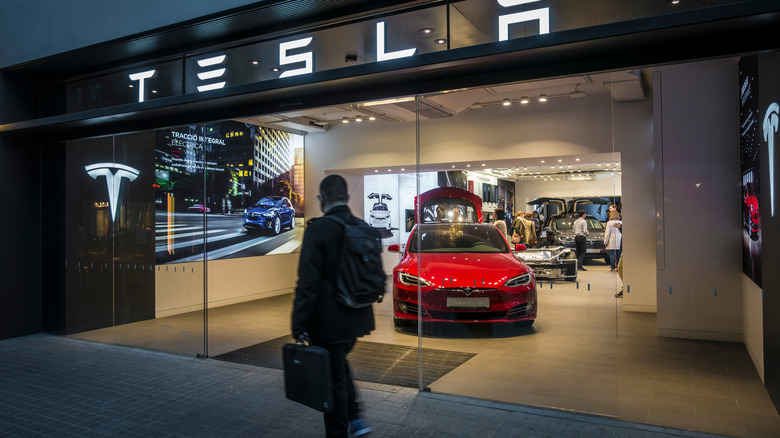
165 178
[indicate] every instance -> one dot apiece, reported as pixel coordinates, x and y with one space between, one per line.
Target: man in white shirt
580 232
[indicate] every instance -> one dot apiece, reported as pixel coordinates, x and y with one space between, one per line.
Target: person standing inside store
613 238
500 223
580 235
316 312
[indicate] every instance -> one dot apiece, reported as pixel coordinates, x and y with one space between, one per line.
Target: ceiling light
524 100
344 120
598 164
468 165
525 168
483 164
131 85
542 98
453 167
576 159
372 118
426 30
154 91
552 167
560 161
274 68
402 169
255 62
507 102
542 161
376 170
389 101
358 119
440 41
674 2
388 170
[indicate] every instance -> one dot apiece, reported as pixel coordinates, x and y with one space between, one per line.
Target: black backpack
360 280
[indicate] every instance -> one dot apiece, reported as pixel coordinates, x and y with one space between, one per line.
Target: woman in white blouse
613 238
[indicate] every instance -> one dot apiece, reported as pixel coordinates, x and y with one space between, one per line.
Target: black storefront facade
43 112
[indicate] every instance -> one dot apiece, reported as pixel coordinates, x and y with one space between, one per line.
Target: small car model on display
751 219
270 213
380 215
464 268
553 263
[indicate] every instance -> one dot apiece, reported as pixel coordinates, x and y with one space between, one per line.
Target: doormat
370 361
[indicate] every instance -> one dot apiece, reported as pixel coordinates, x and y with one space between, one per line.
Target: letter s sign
307 57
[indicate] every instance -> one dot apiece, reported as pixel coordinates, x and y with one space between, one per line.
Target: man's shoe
583 269
358 427
619 294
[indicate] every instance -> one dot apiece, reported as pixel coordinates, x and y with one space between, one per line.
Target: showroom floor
583 354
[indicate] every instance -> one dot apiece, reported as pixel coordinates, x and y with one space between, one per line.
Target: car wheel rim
277 225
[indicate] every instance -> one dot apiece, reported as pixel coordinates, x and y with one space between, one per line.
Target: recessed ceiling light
440 41
154 91
388 170
453 167
468 165
483 164
576 159
542 161
525 168
376 170
372 118
358 119
274 68
402 169
426 30
131 86
542 98
255 62
524 100
507 102
344 120
560 161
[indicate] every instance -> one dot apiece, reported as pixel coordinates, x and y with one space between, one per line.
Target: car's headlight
412 280
566 238
245 211
268 214
520 280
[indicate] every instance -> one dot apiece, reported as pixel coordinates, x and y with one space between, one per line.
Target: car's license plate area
468 302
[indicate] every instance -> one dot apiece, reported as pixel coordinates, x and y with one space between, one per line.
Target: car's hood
592 234
468 270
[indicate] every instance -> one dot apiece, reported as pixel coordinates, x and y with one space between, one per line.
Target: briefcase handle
304 339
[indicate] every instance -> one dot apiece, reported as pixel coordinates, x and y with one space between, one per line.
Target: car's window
568 223
462 238
449 210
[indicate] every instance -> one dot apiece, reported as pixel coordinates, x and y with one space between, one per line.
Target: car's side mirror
394 248
520 247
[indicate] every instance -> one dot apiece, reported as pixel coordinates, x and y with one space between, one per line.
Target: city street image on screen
235 186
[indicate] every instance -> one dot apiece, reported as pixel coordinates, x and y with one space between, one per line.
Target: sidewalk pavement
53 386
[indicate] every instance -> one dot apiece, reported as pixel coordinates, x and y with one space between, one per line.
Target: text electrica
217 69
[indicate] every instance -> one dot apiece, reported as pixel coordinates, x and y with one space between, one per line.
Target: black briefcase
307 376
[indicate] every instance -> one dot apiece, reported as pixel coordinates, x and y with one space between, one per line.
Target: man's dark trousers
579 245
345 406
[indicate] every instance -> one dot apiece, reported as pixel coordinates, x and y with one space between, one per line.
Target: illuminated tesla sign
114 173
541 15
771 120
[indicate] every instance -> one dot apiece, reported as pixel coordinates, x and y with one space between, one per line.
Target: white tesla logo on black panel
114 172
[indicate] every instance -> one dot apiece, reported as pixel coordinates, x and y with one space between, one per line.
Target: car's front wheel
277 225
292 222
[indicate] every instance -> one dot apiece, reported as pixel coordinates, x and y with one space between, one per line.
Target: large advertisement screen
235 186
750 151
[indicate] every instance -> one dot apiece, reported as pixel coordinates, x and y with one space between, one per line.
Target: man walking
316 312
580 233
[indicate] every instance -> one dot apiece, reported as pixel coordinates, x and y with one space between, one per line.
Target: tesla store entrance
468 310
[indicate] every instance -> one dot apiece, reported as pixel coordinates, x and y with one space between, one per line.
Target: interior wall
180 285
527 190
700 283
562 127
752 310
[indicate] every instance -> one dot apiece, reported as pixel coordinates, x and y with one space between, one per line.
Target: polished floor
583 354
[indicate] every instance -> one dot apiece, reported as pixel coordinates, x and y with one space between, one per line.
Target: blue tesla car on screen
270 213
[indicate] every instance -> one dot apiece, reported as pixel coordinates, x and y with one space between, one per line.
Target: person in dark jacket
316 312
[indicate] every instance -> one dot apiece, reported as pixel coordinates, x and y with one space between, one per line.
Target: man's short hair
580 213
334 189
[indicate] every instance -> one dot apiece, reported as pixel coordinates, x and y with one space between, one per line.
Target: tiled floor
583 354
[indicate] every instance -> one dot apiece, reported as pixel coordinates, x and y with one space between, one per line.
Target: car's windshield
568 223
267 202
464 238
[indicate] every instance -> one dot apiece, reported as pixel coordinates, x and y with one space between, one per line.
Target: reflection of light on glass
170 223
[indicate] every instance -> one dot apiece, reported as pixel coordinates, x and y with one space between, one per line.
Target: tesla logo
467 291
771 120
114 173
141 78
211 74
542 15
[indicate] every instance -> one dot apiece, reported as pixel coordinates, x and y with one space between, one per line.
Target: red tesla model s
464 269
